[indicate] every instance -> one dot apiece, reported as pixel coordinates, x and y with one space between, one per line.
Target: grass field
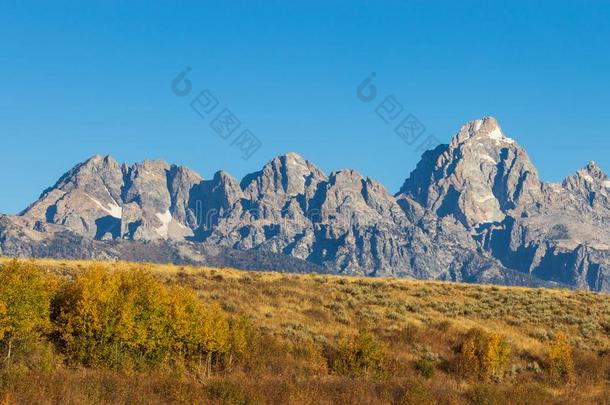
332 339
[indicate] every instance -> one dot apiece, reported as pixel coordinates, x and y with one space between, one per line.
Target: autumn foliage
24 306
89 332
119 320
360 355
561 362
485 354
131 320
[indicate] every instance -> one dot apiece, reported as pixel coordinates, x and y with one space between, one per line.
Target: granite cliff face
564 236
101 199
481 177
555 232
474 210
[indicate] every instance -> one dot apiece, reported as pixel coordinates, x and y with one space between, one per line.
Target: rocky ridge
474 210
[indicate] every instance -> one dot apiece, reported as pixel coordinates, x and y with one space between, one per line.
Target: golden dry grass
414 320
328 306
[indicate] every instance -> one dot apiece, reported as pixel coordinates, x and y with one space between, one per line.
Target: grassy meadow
114 332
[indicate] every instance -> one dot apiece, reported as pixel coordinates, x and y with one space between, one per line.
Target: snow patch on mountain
496 134
166 219
115 210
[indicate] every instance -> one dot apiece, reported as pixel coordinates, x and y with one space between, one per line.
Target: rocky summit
474 210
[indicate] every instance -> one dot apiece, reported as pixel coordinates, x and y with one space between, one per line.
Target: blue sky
83 79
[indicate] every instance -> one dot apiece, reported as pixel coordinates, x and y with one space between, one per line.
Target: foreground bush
129 319
484 354
25 297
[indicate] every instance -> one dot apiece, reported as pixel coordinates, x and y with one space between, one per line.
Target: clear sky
84 78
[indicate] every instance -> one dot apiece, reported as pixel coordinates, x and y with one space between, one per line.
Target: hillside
331 339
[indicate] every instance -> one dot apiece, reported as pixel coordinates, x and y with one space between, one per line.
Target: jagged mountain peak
478 178
288 158
592 165
292 157
288 174
93 163
155 164
592 169
100 198
98 159
292 161
590 182
591 173
224 176
486 128
346 174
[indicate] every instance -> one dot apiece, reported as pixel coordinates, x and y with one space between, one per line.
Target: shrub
425 368
25 297
310 356
126 319
228 392
359 356
484 354
606 326
561 362
416 394
108 319
529 393
487 394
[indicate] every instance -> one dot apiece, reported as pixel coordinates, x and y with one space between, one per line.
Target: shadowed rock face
473 210
564 236
487 182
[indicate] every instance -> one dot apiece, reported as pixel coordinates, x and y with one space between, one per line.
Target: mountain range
473 210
